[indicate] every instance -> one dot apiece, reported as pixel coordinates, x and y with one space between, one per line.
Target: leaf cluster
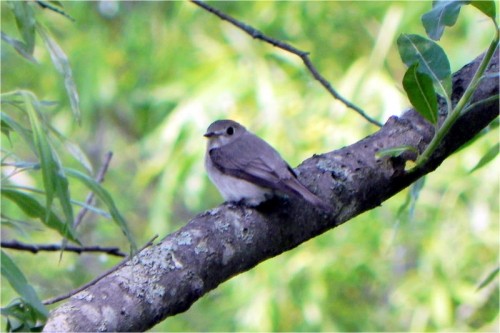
24 123
429 73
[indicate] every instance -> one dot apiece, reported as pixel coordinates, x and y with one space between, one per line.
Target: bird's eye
230 130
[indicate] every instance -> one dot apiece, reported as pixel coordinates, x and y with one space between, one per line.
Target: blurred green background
153 75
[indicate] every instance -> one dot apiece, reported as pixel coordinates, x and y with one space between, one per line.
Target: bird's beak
213 133
209 134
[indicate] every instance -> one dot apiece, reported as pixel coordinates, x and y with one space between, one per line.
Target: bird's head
223 132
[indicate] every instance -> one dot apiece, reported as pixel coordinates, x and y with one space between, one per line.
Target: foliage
24 115
429 66
149 77
28 313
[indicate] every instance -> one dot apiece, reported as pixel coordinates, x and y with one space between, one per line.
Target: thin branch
289 48
90 197
91 283
34 248
47 5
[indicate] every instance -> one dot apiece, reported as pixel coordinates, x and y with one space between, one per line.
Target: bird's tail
307 195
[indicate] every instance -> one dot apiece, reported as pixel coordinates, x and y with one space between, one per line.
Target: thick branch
91 283
168 278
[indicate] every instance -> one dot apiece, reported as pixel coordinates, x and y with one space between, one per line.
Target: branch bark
169 277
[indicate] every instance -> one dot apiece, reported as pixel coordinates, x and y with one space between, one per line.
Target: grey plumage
245 167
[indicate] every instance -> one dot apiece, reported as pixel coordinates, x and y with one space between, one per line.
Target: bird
246 169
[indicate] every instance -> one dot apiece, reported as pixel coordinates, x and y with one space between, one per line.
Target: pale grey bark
169 277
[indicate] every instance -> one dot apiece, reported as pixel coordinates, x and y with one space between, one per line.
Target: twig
287 47
91 283
90 197
46 5
33 248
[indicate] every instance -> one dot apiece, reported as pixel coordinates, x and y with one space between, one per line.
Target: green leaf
60 61
17 225
62 190
420 91
19 129
5 128
95 187
11 124
22 317
395 151
43 150
447 85
487 158
19 46
26 24
431 58
487 7
487 312
17 280
443 13
54 179
489 278
33 208
57 3
78 155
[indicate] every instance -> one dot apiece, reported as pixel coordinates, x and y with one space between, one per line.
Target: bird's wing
262 166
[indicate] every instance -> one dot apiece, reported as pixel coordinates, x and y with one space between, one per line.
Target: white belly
235 189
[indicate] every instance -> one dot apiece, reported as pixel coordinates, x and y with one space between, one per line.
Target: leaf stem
461 105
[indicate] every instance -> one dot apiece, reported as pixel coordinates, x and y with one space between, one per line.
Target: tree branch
168 278
90 196
91 283
34 248
289 48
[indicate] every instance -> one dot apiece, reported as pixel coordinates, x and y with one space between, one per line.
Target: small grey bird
244 167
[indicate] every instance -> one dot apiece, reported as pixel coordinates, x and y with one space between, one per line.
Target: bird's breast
235 189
